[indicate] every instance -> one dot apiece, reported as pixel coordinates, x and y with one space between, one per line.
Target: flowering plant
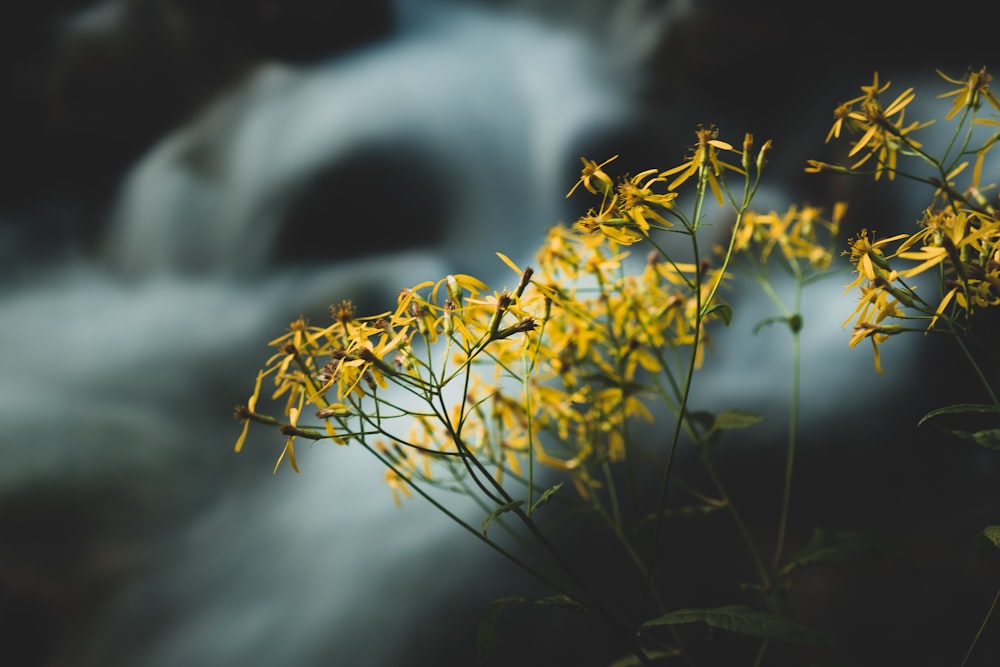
504 396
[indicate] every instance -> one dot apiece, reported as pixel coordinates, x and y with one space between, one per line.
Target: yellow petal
243 435
506 260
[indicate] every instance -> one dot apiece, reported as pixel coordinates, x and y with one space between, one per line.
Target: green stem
978 371
982 626
458 520
681 413
786 495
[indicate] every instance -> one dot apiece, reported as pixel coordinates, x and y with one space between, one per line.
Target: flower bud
454 290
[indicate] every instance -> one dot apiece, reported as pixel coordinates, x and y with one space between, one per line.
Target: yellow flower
247 413
594 172
636 200
871 93
610 222
842 116
398 485
705 160
868 258
845 113
797 233
971 91
289 449
883 135
873 308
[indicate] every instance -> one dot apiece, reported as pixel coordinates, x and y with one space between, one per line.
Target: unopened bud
334 410
454 289
525 279
762 155
747 147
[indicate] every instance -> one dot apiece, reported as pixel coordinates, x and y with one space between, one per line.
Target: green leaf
992 534
486 637
701 418
545 497
987 543
989 438
961 408
684 511
827 547
743 620
733 419
709 425
724 311
766 322
794 323
500 510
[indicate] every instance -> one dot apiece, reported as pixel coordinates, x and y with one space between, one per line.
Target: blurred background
183 178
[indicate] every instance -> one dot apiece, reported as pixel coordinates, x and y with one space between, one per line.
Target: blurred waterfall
138 537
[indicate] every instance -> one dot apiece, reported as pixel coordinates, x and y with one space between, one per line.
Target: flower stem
982 626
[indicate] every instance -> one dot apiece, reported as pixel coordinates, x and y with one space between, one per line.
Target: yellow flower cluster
801 233
883 131
484 385
959 233
631 208
582 332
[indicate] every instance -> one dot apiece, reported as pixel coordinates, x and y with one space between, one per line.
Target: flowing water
140 538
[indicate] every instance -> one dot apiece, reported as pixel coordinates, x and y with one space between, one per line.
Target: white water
121 370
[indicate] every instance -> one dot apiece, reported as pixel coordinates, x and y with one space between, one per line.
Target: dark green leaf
684 511
732 419
723 310
827 547
962 408
794 323
986 543
701 418
992 533
768 322
500 510
743 620
989 437
545 497
708 425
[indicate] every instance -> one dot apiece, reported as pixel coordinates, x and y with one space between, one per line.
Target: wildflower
873 308
398 485
245 414
594 172
868 258
343 312
796 233
704 161
971 91
884 136
871 92
636 200
289 449
610 223
842 116
881 134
